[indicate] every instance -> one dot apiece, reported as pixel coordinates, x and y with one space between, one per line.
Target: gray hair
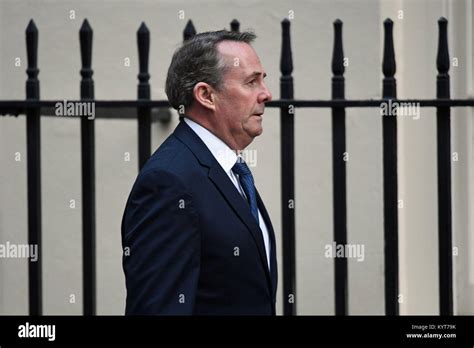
198 60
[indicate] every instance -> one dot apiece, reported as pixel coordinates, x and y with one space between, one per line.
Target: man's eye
252 82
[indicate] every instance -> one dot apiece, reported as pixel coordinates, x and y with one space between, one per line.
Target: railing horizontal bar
162 114
369 102
19 106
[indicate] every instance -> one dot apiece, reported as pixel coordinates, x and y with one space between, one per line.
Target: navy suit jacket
191 244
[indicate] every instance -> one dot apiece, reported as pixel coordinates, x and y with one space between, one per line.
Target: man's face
239 104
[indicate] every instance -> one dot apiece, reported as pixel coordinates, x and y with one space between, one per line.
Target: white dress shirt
227 158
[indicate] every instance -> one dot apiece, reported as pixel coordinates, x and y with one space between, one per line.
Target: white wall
115 24
416 44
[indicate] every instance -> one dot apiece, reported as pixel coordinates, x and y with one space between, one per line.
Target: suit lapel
226 187
241 208
271 233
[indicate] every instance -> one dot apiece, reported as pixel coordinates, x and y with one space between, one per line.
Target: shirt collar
220 150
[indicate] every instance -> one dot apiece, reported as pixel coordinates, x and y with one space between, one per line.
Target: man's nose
266 96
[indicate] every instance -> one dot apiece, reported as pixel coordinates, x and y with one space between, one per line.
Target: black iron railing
33 108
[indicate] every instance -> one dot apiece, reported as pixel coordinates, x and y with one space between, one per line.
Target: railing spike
32 84
85 40
143 28
143 41
235 25
388 65
338 52
144 114
86 26
286 62
442 59
189 31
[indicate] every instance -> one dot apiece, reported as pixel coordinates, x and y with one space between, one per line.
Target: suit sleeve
160 230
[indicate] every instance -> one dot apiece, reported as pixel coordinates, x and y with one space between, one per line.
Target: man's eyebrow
257 73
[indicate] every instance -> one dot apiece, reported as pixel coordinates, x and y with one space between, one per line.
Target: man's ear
204 95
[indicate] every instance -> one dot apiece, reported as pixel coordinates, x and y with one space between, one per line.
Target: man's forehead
239 54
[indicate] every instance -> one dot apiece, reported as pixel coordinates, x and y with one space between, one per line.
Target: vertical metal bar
188 32
33 137
443 115
235 26
390 176
88 175
144 113
287 174
339 171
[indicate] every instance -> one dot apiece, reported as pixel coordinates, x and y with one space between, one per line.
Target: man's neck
204 122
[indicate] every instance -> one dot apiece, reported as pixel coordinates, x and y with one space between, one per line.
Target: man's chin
254 132
258 131
254 128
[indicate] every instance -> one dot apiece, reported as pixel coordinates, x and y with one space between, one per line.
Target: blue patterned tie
246 180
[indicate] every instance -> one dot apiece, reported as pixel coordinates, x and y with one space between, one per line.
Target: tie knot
241 168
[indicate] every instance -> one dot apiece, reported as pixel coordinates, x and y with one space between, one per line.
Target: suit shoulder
171 159
167 153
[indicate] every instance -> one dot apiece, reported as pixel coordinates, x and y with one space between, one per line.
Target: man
200 239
